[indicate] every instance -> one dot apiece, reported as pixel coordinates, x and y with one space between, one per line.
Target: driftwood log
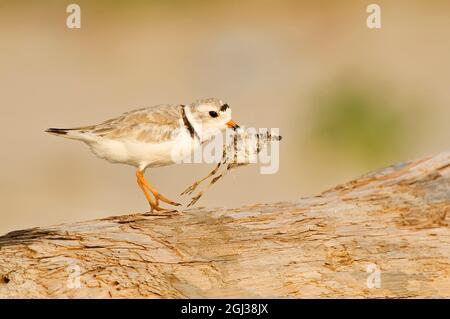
385 234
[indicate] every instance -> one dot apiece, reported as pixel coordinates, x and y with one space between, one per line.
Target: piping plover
154 136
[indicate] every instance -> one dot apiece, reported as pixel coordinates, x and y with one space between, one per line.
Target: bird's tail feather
72 133
58 131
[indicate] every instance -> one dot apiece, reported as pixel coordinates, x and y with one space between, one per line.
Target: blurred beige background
347 99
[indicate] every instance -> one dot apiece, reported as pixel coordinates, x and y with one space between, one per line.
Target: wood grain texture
396 219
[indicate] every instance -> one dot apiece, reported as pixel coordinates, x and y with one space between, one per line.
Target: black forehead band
224 107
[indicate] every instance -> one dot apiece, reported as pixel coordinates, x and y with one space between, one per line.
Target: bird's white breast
145 154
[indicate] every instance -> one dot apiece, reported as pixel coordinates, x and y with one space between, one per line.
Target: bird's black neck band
188 124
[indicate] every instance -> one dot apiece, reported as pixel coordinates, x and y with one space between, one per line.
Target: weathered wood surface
395 220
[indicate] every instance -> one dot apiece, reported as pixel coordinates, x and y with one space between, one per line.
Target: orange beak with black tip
232 124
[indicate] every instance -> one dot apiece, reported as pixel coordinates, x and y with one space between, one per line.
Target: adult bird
154 136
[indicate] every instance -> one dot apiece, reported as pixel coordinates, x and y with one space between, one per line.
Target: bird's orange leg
153 205
155 193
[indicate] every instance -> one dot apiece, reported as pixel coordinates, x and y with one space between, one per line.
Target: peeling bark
395 221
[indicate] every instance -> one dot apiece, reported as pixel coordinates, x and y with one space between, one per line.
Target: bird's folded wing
154 124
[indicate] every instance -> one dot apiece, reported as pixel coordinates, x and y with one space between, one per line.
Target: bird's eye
213 114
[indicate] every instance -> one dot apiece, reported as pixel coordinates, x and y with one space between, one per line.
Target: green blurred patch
360 123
